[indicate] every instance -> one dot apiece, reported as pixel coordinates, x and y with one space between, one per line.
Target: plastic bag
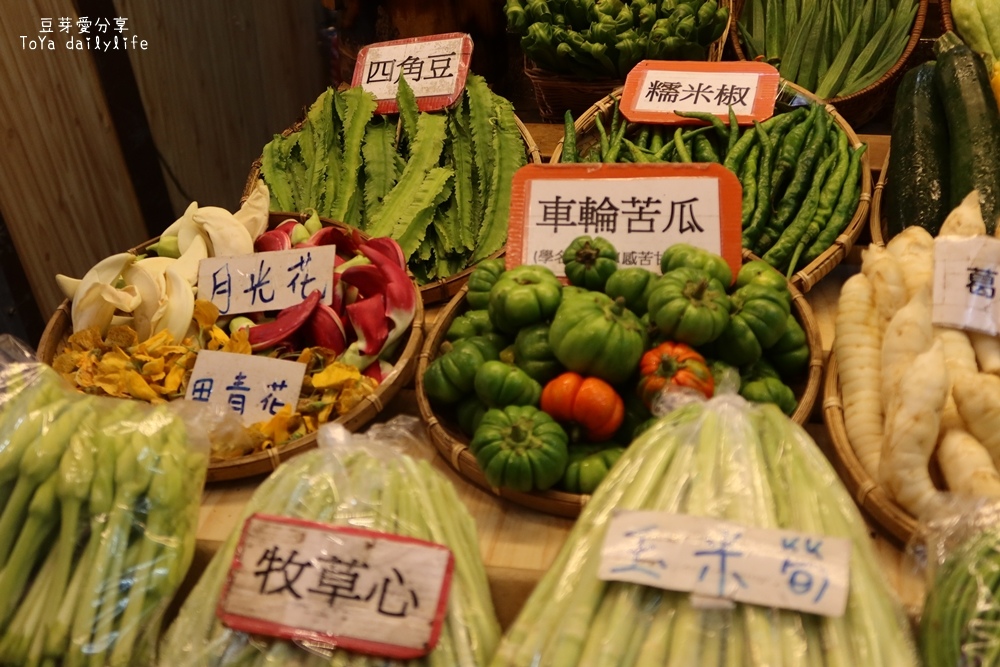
727 459
98 510
365 481
958 548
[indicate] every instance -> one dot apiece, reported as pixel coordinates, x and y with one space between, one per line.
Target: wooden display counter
519 544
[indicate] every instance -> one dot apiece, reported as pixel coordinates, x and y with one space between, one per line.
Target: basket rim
264 462
890 74
866 492
876 225
805 278
453 446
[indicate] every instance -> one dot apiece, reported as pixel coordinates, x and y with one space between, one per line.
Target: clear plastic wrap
365 481
98 511
958 549
732 460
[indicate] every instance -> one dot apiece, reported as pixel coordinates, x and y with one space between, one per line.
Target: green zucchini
973 125
918 185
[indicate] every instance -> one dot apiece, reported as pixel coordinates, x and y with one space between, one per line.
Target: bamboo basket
860 107
867 492
443 289
807 277
454 445
555 93
878 226
59 327
947 22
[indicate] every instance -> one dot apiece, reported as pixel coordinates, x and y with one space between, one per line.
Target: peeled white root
967 466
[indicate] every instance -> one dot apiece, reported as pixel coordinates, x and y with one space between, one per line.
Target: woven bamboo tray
453 445
878 226
867 493
807 277
555 93
59 327
860 107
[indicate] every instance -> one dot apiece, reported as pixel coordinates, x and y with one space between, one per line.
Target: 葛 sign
365 591
267 280
656 89
254 387
965 283
642 209
721 560
435 67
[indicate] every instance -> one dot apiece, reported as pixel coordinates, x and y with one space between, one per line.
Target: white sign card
255 387
965 283
267 280
376 593
712 92
714 559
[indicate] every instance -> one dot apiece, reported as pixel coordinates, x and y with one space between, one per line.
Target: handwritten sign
965 283
435 67
656 89
361 590
715 559
642 209
267 280
256 388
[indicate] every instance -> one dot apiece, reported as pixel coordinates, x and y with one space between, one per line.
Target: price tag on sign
656 89
435 67
965 283
361 590
256 388
713 559
642 209
267 280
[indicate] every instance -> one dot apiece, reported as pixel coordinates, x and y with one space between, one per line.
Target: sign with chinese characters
254 387
361 590
267 280
713 559
656 89
965 283
435 67
642 209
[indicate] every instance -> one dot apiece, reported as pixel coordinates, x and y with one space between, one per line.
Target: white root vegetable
961 360
914 249
886 276
967 466
966 219
908 335
858 348
912 433
978 400
987 349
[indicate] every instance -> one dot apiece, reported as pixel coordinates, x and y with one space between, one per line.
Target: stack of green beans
832 47
801 180
728 460
365 486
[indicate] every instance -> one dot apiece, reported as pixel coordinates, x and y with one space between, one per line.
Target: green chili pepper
847 203
615 114
605 144
710 118
790 150
656 140
637 153
642 141
569 154
615 146
735 157
704 151
748 178
682 151
760 214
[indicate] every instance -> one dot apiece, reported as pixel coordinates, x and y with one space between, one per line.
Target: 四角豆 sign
642 209
365 591
656 89
435 67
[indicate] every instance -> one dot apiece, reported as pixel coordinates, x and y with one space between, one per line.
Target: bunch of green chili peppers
801 180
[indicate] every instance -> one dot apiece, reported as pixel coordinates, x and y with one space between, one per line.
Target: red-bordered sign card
656 89
435 66
642 209
360 590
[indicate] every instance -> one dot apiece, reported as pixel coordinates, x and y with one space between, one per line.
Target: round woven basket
453 445
860 107
878 226
807 277
867 493
60 325
555 93
441 290
947 22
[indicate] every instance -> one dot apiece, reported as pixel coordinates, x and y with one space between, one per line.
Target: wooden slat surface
65 196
